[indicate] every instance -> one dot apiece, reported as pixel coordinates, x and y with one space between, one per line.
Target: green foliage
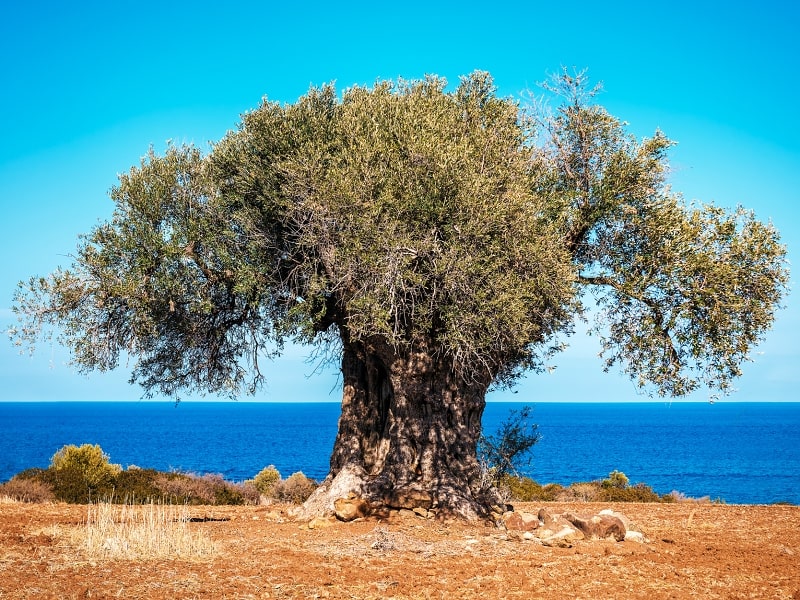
136 485
409 216
613 489
68 483
616 480
88 461
508 450
524 489
635 493
78 474
685 291
266 480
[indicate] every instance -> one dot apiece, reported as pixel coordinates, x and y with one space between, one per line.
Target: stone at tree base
521 521
598 527
410 499
350 508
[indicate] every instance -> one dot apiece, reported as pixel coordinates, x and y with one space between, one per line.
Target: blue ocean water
738 452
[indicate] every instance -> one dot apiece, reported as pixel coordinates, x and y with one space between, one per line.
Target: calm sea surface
738 452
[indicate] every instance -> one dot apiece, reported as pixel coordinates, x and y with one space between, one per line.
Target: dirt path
694 551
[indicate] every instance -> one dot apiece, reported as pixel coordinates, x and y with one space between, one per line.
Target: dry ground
695 551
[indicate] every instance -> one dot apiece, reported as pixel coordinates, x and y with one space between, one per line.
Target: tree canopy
438 241
421 216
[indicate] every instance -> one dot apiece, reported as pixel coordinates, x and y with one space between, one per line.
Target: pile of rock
549 529
566 528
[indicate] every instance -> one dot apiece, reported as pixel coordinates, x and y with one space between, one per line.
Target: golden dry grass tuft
149 531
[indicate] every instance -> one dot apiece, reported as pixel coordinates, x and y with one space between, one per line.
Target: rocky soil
685 551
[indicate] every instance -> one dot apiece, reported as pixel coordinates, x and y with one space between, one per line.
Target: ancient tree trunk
407 436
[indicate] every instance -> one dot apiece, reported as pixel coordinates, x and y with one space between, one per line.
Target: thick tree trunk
407 436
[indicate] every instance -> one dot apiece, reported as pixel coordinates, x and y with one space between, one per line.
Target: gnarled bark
407 436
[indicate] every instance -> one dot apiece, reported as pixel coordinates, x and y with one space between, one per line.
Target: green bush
88 460
616 479
136 486
635 493
69 484
525 489
266 480
83 474
225 492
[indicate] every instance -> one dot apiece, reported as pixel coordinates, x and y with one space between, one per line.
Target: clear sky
86 88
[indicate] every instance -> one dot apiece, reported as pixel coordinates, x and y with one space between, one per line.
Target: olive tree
437 243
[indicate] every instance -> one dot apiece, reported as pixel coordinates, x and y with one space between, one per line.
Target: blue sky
86 88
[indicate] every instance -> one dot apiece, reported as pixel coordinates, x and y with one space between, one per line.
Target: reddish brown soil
694 551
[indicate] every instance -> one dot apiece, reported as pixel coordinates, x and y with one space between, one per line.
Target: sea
739 453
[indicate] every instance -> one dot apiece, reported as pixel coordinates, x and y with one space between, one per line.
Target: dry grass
148 531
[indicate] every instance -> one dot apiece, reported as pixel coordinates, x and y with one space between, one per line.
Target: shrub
616 479
26 490
181 488
136 485
508 450
225 492
266 480
88 460
525 489
296 489
636 493
581 492
250 493
70 485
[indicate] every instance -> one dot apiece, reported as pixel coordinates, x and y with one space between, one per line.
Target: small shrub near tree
266 480
508 451
525 489
184 488
295 489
